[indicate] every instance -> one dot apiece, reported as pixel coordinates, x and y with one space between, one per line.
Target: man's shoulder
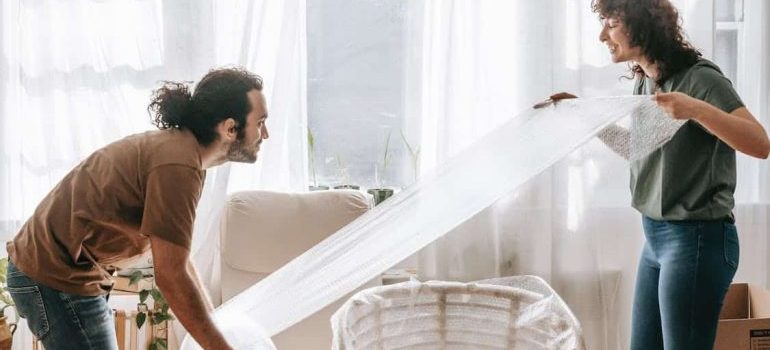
165 147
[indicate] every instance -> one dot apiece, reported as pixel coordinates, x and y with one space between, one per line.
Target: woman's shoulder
705 81
705 71
698 79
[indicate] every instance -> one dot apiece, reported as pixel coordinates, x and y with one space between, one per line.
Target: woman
684 190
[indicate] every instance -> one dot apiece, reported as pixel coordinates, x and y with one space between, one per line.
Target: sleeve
171 196
716 89
638 86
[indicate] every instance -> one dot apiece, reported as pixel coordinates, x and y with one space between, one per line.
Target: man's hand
554 99
183 295
679 105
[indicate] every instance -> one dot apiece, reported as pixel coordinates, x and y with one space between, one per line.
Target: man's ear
227 130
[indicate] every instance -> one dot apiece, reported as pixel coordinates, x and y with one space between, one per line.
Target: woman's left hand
679 105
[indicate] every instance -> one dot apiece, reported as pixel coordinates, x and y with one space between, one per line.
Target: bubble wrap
241 332
456 190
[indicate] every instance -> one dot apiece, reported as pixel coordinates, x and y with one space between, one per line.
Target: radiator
130 337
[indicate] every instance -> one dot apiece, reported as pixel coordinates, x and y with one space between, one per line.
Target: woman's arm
738 129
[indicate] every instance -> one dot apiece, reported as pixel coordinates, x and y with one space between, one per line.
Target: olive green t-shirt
103 211
692 177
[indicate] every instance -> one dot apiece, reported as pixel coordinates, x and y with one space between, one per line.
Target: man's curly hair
655 27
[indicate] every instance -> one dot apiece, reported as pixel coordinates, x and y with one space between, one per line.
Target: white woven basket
507 313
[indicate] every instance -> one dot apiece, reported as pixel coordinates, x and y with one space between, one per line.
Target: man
133 196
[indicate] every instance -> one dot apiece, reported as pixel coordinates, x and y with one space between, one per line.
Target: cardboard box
744 323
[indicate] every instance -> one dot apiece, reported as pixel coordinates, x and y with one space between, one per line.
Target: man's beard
242 153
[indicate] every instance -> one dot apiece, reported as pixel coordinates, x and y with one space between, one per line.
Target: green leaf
140 318
6 299
3 270
408 146
387 146
165 308
143 295
158 297
152 346
310 139
160 318
162 343
135 277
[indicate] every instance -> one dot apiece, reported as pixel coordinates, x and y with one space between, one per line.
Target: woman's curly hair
654 26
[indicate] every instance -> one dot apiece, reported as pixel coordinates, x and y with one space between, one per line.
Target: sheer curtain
73 79
267 37
473 65
78 75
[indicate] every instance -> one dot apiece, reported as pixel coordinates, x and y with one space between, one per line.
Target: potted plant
311 154
158 316
342 172
6 329
414 154
380 193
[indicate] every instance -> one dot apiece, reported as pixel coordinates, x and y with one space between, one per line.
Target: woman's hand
679 105
554 99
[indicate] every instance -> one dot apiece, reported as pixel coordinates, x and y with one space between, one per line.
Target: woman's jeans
61 320
684 273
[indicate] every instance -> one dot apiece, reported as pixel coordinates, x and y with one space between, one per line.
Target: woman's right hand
554 99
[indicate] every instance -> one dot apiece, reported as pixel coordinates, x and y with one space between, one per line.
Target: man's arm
199 284
182 293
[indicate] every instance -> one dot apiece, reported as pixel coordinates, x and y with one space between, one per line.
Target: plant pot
318 188
6 333
380 194
347 187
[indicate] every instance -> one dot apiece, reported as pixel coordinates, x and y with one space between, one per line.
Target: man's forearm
191 309
201 287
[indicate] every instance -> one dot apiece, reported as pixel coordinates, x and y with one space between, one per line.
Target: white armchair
262 231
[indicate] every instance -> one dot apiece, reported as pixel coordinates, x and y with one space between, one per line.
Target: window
728 17
356 102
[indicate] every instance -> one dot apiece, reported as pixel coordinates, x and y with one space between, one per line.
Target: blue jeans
684 273
61 320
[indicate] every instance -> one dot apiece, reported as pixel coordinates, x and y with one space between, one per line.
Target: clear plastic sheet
456 190
520 312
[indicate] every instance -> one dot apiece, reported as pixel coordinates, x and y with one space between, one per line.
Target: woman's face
615 36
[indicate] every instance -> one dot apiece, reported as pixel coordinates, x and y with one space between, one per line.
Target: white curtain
267 37
473 65
73 79
78 75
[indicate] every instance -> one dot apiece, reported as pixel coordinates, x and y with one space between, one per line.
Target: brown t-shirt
105 208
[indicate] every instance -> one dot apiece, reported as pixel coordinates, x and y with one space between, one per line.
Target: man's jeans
684 273
61 320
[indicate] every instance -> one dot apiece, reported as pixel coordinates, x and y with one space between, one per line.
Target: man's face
244 149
